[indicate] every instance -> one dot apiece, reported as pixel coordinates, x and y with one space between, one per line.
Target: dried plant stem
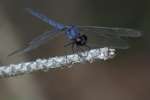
55 62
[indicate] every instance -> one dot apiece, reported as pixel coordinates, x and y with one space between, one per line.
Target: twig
56 62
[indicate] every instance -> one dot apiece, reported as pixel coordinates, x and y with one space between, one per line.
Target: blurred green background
126 77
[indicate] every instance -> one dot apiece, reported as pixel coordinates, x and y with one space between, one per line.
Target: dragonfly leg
84 49
72 44
79 50
73 47
68 44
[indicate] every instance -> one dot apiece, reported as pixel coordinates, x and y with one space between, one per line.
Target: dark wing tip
140 34
14 52
22 50
134 33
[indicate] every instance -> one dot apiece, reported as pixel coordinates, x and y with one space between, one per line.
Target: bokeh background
126 77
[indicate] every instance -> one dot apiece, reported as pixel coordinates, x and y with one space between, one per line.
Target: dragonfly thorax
81 40
72 32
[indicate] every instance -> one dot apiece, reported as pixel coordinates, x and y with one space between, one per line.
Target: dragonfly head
81 40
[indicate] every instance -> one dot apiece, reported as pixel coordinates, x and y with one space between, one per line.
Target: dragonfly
80 36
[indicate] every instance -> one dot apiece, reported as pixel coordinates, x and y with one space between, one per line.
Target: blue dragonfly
80 36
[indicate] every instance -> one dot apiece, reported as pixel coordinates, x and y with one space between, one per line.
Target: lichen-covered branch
56 62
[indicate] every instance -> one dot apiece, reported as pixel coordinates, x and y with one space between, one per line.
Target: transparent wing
108 36
38 41
45 19
121 32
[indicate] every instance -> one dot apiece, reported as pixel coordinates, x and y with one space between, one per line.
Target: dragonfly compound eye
81 40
